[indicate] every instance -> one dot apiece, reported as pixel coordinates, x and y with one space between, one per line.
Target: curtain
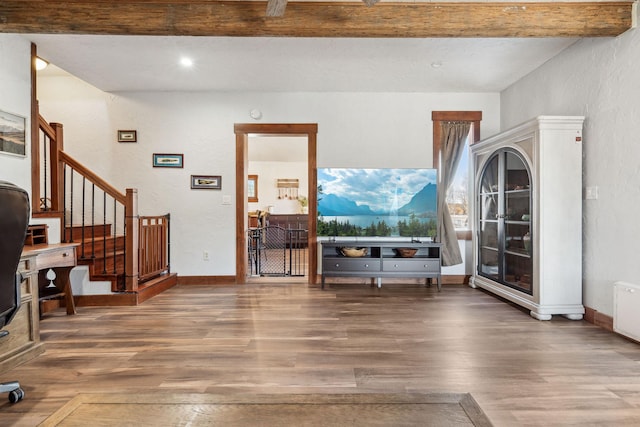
452 143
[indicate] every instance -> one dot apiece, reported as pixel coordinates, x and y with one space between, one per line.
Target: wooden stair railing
154 246
114 239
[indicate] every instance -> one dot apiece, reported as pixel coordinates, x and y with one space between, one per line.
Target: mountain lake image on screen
377 202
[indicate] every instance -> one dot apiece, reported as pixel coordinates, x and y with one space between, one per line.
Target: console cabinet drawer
347 264
411 265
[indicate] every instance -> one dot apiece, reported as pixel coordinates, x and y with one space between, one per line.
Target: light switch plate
591 193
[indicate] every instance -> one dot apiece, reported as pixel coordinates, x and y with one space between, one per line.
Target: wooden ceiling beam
317 19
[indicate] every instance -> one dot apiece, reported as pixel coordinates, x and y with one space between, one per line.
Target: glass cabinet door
504 221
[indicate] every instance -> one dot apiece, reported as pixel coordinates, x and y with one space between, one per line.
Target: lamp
40 63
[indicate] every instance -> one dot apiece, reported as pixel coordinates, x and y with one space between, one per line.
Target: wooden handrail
91 176
46 127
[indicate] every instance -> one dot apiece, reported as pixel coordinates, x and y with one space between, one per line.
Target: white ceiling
151 63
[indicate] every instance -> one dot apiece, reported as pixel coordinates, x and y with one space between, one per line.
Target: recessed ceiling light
437 64
186 62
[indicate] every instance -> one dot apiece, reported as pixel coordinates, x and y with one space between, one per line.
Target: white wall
600 79
354 130
268 174
15 98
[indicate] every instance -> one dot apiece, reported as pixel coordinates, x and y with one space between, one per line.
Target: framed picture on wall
168 160
206 182
12 134
127 136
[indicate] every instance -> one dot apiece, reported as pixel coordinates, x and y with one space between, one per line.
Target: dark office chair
14 220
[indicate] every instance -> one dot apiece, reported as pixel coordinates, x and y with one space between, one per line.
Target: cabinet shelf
517 253
36 235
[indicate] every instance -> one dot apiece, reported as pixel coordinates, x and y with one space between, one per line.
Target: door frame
242 131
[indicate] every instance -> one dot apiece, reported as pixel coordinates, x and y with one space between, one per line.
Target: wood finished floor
292 338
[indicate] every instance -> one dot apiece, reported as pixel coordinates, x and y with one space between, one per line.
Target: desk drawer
348 264
415 265
63 257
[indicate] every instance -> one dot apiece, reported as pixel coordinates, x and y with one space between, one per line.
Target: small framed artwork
12 134
168 160
206 182
127 136
252 188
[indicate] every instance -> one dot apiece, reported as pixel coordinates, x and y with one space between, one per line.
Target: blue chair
14 220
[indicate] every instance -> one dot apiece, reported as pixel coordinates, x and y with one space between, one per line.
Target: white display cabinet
527 216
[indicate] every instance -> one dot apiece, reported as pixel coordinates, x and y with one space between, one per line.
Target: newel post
57 169
131 240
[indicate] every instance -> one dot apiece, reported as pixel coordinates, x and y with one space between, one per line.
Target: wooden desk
23 342
60 258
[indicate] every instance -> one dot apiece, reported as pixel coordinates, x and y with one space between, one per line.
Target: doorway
278 212
245 132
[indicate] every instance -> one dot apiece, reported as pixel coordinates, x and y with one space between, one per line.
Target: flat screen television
377 202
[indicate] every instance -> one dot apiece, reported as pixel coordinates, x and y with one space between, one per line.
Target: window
458 194
252 188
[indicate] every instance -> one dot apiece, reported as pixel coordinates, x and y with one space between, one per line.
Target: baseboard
449 279
156 286
455 279
206 280
110 300
595 317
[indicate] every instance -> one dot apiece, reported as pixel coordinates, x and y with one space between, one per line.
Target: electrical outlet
205 255
591 193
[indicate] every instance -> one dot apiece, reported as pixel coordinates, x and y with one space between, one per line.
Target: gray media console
382 259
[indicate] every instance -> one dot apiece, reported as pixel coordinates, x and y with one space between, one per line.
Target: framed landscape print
168 160
207 182
12 134
127 136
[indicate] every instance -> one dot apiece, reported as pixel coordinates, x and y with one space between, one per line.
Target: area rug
430 409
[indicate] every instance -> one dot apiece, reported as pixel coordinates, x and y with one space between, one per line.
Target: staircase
123 257
102 251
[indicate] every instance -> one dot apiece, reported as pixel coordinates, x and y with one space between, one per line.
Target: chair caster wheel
16 395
